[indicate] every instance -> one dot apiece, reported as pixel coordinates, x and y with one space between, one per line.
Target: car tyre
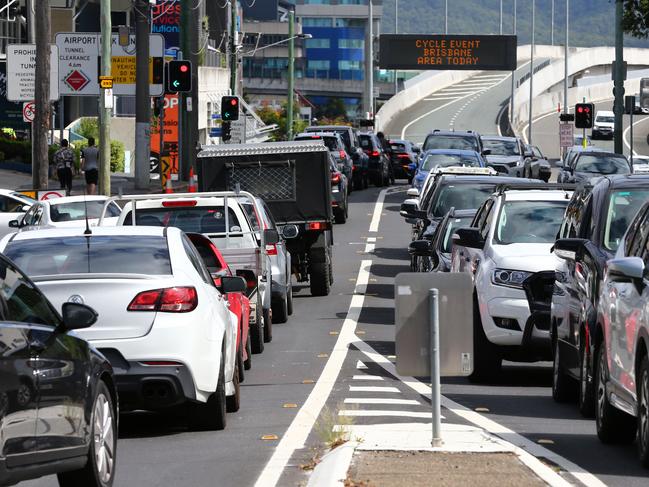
99 470
247 364
643 411
289 298
563 386
612 424
486 359
319 279
211 415
240 366
586 387
280 309
233 402
268 325
257 334
339 216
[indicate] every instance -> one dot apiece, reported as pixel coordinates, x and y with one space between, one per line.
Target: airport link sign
452 52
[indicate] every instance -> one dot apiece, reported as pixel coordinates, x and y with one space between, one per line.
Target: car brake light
317 226
403 156
271 249
353 168
342 154
170 300
178 203
335 178
375 153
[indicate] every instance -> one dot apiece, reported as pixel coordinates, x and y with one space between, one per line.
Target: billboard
447 52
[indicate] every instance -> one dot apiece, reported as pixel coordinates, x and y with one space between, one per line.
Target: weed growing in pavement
332 428
316 454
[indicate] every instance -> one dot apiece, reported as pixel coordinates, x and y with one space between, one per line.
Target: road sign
452 52
50 195
78 64
21 72
106 82
215 132
29 111
566 135
238 131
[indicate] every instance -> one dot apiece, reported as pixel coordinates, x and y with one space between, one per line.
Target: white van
603 125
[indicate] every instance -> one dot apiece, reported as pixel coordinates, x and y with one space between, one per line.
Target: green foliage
51 150
335 108
116 156
636 18
272 116
89 127
16 150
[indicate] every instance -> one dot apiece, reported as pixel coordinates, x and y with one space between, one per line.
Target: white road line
626 133
373 389
537 119
360 365
441 98
378 210
299 429
367 377
359 413
374 400
485 76
459 92
528 451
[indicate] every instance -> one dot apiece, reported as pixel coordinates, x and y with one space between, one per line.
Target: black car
596 219
450 139
58 403
379 167
588 164
403 159
435 254
536 165
337 148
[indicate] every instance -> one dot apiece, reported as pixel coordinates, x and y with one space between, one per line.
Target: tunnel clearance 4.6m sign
424 52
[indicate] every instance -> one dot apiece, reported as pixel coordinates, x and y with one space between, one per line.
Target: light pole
552 25
291 75
445 16
501 17
396 31
566 108
529 135
511 100
369 61
618 78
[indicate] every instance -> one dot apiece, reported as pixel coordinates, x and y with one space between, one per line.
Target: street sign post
21 72
566 135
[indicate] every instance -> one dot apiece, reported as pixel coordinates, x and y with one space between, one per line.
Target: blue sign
215 132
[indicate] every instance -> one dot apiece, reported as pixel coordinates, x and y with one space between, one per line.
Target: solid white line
626 133
459 92
378 210
367 377
537 119
360 365
441 98
485 76
373 389
299 429
372 400
528 451
376 413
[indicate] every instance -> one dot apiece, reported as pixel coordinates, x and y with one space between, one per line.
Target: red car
238 303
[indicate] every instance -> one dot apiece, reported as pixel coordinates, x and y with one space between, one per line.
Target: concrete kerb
332 469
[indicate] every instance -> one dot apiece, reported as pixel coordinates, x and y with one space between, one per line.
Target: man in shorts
90 164
64 159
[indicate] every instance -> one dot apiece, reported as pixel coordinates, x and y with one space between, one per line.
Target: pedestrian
64 158
90 164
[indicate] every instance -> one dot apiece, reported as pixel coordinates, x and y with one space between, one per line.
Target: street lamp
529 136
288 39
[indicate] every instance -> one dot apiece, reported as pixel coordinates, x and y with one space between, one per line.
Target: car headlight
509 278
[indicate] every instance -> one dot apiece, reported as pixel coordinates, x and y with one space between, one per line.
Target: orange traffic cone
193 182
168 187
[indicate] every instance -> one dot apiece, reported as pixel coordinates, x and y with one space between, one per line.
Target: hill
591 21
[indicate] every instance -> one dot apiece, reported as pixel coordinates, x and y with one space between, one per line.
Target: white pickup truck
232 233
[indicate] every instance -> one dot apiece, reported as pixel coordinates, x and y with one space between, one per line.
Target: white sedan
13 206
67 212
163 324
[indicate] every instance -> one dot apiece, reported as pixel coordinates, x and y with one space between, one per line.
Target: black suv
58 404
588 164
450 139
596 219
379 167
403 159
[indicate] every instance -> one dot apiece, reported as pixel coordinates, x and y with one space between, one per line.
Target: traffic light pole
233 47
291 74
142 99
618 78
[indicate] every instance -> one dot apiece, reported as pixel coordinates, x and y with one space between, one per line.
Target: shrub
89 127
117 154
20 150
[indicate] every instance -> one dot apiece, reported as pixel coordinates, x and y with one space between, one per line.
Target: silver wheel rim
644 411
104 438
601 388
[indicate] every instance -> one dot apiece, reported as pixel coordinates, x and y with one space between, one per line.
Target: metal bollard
435 396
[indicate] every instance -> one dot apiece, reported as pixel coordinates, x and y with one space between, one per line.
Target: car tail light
403 156
353 168
335 178
170 300
271 249
375 153
342 154
178 203
317 226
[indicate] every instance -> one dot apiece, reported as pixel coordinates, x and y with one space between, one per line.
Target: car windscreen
529 221
604 119
453 225
190 219
451 142
622 207
66 212
502 147
397 147
102 254
366 141
460 197
449 160
598 164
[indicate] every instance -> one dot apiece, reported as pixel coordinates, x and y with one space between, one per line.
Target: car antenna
87 231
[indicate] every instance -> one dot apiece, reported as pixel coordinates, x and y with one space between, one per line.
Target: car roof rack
524 185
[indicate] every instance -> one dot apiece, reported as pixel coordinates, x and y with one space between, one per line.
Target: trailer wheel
320 279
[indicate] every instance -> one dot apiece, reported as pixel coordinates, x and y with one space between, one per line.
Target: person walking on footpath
63 159
90 164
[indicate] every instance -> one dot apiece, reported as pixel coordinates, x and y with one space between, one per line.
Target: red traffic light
233 102
184 68
580 109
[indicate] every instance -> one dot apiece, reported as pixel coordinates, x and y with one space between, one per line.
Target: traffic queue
159 302
559 270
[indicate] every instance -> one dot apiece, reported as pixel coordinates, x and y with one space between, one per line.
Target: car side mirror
559 164
25 208
14 224
486 152
414 192
626 269
271 236
468 237
77 316
231 284
408 208
290 231
421 248
529 154
567 248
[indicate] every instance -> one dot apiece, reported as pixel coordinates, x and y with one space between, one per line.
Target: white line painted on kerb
360 365
298 431
373 389
384 401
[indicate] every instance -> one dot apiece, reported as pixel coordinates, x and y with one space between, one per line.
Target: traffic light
180 76
225 131
584 115
229 108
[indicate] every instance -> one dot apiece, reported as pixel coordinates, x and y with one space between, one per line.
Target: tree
636 18
272 116
41 124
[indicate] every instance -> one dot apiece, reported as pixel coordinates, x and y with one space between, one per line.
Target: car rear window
500 147
366 141
449 160
461 197
195 219
65 212
123 254
330 142
451 142
597 164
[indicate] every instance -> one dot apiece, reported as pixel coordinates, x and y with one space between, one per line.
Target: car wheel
280 310
586 389
319 279
233 402
247 364
379 181
339 216
486 359
563 387
242 374
289 299
268 325
257 334
612 424
211 415
643 412
358 183
99 469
